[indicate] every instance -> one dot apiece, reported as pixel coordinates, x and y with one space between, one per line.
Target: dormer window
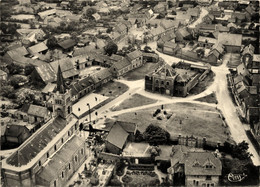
196 163
208 165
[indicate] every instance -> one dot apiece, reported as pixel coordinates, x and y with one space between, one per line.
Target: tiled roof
28 151
101 75
46 73
37 48
127 126
208 39
15 130
121 64
135 54
38 111
117 136
202 159
230 39
67 43
60 159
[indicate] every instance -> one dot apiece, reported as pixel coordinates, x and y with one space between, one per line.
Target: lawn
134 101
186 119
112 89
137 178
140 72
208 99
203 85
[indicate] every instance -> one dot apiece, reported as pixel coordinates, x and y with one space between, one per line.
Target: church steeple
60 82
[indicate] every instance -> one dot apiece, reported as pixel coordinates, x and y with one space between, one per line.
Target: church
54 152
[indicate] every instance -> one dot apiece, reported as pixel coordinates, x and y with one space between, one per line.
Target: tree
156 135
240 151
90 12
111 48
15 69
147 49
18 80
52 42
7 91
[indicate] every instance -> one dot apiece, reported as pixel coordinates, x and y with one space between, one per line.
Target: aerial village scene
130 93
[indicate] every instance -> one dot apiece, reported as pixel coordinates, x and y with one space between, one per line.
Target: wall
189 180
112 149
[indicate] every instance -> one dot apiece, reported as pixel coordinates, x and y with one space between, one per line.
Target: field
140 72
186 119
134 101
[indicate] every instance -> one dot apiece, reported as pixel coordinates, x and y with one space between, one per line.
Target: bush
159 118
127 179
154 134
164 165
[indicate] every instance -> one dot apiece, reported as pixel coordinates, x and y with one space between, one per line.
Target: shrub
155 134
127 179
159 118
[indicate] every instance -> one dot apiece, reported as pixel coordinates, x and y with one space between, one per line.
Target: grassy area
186 119
139 73
208 99
141 178
134 101
112 89
203 85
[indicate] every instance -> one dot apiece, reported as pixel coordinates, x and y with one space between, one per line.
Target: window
62 140
208 177
167 83
68 133
55 148
40 163
62 175
156 81
69 166
75 126
76 158
55 183
48 155
58 102
162 82
82 151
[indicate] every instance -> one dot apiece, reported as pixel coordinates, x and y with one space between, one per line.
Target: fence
192 141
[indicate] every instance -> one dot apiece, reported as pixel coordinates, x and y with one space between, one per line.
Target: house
82 87
67 44
46 13
101 77
182 34
206 28
119 135
38 48
196 168
33 114
239 17
3 75
96 16
156 33
208 19
135 58
231 42
121 28
247 54
64 5
120 67
170 24
202 169
254 66
160 7
15 134
194 12
183 17
168 36
206 41
170 48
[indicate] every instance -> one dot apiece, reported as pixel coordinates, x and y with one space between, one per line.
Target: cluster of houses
221 31
245 87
